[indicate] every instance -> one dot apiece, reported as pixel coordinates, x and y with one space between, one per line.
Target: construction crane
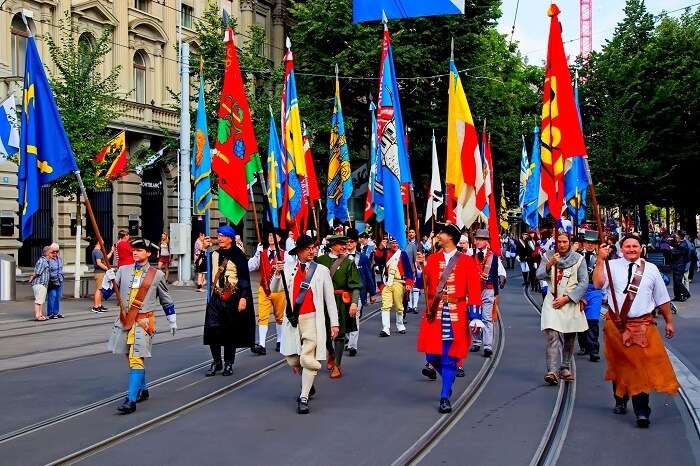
586 27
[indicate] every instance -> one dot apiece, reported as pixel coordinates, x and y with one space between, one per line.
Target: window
141 5
18 44
261 22
86 42
140 77
186 15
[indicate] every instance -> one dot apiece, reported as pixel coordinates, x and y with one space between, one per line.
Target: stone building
145 37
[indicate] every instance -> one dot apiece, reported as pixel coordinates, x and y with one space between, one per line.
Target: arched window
18 44
140 76
86 42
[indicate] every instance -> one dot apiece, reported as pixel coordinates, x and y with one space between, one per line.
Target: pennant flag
562 137
275 174
45 154
372 10
390 134
463 157
293 146
575 176
524 172
9 127
236 151
435 197
374 203
504 209
201 157
492 208
534 199
311 178
339 179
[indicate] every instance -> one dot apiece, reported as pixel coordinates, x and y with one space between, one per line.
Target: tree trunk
668 220
643 222
690 225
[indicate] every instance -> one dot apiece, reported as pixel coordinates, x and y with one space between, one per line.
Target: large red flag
236 158
493 207
561 132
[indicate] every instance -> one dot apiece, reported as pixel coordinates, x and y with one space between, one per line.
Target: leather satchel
127 319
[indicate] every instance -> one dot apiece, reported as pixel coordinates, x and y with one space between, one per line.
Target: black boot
259 350
143 395
303 406
228 369
215 367
127 407
460 372
429 371
445 406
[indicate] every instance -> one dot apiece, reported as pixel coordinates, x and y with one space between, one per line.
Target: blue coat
367 278
594 301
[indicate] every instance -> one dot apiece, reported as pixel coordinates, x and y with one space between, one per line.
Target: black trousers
229 353
640 403
588 340
679 290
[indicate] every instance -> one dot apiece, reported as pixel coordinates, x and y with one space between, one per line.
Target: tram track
158 420
436 432
547 453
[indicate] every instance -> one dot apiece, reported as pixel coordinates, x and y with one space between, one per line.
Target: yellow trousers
276 303
392 296
135 362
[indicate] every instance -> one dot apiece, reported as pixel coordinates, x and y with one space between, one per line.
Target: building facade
145 38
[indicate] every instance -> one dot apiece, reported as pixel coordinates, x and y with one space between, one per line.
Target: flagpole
255 212
419 244
98 235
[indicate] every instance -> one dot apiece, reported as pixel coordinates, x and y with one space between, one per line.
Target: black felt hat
303 242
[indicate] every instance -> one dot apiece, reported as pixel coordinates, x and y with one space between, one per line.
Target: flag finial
452 49
336 71
288 43
385 20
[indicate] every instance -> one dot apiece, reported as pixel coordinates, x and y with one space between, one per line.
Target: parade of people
399 195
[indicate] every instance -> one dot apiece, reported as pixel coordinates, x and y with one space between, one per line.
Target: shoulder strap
632 290
136 305
219 271
305 285
432 311
336 265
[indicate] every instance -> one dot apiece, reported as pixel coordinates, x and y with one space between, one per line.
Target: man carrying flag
339 179
236 150
45 152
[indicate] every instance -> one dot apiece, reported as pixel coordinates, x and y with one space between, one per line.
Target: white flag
436 196
9 127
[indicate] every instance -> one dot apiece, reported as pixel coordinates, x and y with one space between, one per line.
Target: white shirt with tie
652 289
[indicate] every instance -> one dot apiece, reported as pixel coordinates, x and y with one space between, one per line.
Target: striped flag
275 174
339 180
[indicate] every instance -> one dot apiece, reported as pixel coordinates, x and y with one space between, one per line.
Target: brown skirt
634 369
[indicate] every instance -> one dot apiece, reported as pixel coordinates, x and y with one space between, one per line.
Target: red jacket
266 268
463 289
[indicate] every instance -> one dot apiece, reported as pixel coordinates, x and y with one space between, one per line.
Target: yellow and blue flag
533 198
201 157
275 174
339 180
575 177
45 152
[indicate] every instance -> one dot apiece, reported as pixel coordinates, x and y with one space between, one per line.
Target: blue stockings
446 367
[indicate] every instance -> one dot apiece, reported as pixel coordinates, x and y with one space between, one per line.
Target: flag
533 200
463 157
483 184
45 154
561 133
339 180
235 158
492 208
293 146
575 177
390 134
374 203
372 10
503 212
275 174
149 161
9 127
201 157
524 172
435 196
311 178
114 150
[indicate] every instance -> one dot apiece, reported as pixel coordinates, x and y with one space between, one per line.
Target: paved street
379 413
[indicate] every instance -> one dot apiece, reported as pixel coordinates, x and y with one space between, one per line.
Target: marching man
453 305
397 278
368 284
142 288
304 330
493 275
264 260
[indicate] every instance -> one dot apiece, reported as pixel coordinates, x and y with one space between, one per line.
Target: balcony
145 118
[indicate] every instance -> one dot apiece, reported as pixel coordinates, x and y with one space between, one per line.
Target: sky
532 22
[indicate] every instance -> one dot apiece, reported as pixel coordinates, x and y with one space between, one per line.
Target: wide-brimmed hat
450 229
336 239
143 243
303 242
482 233
352 234
591 236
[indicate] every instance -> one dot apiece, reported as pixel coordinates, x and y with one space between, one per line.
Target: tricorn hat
451 229
143 243
352 234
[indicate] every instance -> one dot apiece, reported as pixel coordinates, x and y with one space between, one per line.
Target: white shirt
501 269
652 289
448 255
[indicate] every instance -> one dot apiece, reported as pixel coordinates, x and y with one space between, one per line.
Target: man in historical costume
567 280
230 318
592 300
453 309
397 279
493 275
411 251
142 288
369 287
524 252
304 332
268 302
347 285
636 356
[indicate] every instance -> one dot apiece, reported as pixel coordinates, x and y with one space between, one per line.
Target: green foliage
86 99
